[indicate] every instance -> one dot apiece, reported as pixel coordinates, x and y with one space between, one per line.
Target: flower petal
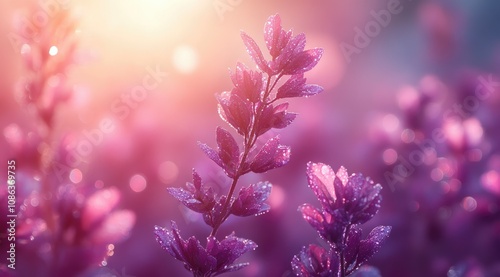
320 177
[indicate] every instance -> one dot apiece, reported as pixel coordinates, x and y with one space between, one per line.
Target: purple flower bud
251 200
356 198
315 261
218 257
324 223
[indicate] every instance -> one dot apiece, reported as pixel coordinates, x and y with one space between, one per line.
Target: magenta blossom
287 52
350 199
347 201
216 258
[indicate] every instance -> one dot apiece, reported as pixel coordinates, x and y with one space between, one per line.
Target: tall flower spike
250 108
356 198
347 201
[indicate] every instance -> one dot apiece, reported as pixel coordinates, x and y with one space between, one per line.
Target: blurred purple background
378 115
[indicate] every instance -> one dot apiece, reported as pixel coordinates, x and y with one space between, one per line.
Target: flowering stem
249 142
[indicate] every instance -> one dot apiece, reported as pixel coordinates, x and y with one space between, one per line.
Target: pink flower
287 52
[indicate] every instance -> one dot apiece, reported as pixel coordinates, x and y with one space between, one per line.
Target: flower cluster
346 203
250 108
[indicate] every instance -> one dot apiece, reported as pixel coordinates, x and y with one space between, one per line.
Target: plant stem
342 256
249 142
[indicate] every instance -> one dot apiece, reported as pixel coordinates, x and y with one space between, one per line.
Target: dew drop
53 50
325 169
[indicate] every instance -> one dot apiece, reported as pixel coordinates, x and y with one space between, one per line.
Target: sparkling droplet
325 169
53 50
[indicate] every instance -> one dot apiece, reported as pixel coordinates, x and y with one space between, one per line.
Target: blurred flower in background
103 102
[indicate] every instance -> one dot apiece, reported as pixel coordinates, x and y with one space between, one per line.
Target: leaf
296 86
304 61
255 53
197 197
369 246
271 155
229 151
251 200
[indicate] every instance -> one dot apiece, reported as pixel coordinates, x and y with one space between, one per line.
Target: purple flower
216 258
347 201
288 54
351 199
315 261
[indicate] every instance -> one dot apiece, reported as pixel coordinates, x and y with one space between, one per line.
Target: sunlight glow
185 59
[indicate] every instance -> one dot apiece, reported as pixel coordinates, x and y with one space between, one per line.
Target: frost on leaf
296 86
276 38
227 154
216 258
371 245
274 117
254 52
271 155
197 197
248 83
236 111
355 198
251 200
